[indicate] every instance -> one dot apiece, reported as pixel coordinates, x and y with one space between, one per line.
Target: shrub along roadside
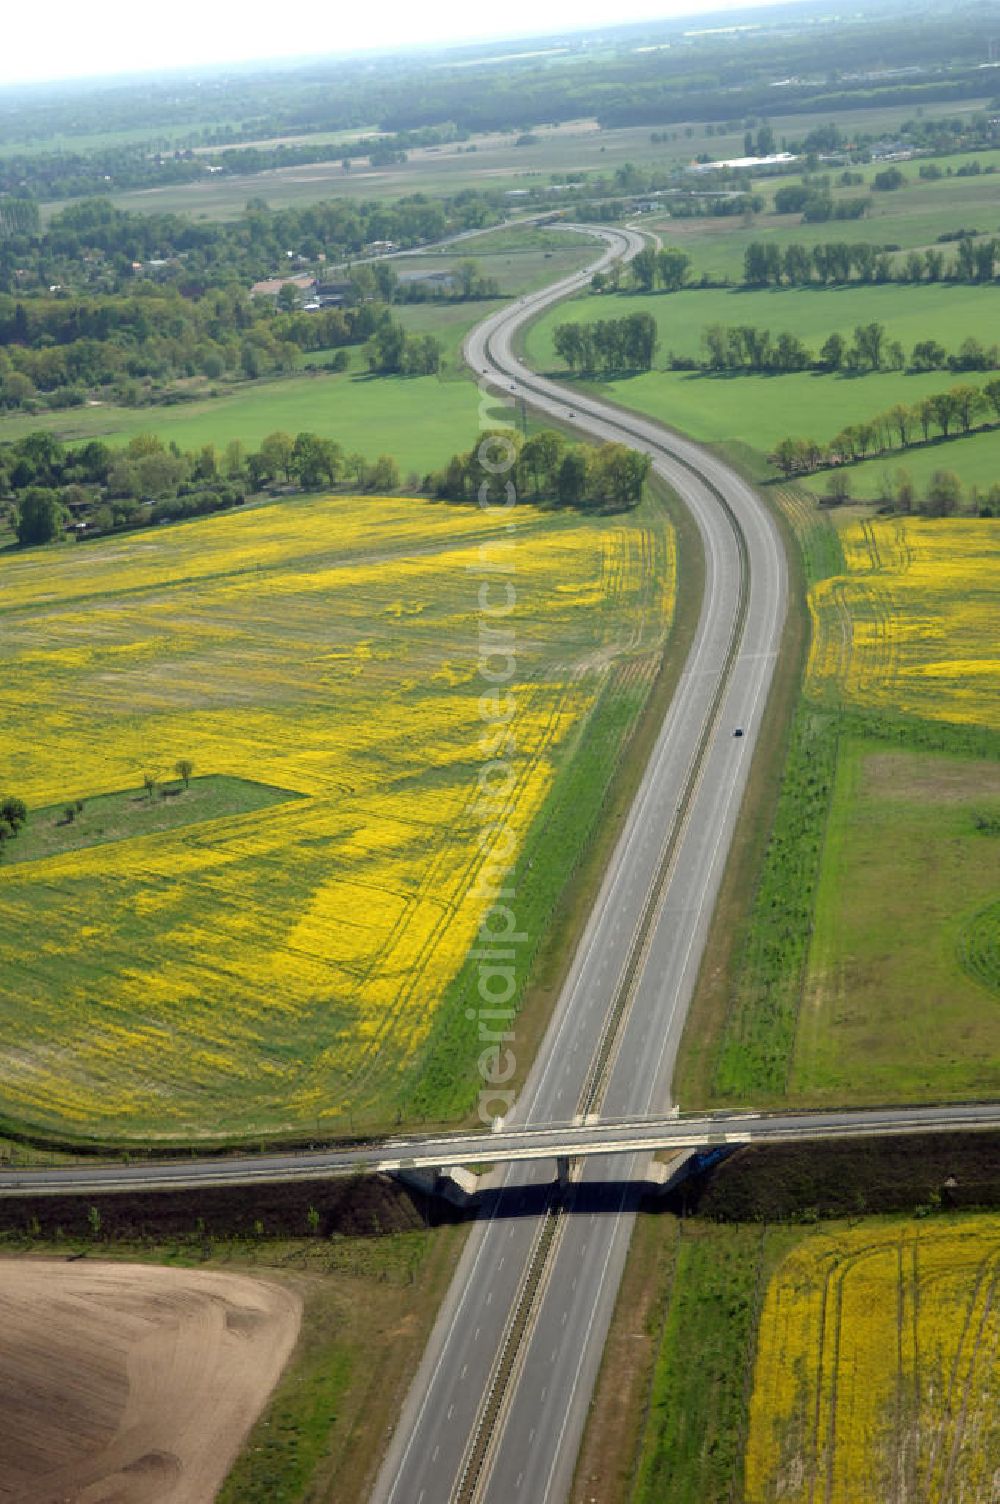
546 468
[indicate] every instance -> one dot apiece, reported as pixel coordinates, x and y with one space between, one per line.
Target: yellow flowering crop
912 626
877 1374
281 967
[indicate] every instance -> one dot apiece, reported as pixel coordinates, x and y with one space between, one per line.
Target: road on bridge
513 1144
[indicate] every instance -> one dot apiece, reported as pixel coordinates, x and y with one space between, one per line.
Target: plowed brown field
131 1383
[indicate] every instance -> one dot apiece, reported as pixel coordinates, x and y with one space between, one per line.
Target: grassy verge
364 1328
693 1439
674 1389
127 813
710 1005
566 854
759 1036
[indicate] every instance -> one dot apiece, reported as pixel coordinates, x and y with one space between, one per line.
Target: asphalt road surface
481 1422
513 1144
497 1409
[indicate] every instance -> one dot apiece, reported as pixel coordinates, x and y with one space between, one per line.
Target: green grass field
419 420
137 812
943 311
758 411
888 1011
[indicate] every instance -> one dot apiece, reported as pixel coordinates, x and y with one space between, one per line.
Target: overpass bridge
559 1142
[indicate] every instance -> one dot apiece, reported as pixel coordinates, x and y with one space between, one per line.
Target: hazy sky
74 38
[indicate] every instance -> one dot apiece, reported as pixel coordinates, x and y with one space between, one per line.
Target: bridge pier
562 1170
454 1184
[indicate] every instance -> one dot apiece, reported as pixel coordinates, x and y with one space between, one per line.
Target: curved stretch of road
497 1409
490 1417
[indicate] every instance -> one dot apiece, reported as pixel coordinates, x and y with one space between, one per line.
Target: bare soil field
132 1384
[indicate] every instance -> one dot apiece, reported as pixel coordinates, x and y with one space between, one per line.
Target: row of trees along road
547 468
626 344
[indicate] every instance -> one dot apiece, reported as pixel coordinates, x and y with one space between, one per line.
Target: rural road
497 1409
516 1144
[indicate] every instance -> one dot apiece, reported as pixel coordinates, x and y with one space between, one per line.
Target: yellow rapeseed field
877 1374
280 967
912 626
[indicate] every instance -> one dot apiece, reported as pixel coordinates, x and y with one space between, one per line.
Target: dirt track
129 1383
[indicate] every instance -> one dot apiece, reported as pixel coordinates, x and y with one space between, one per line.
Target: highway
498 1405
514 1144
497 1408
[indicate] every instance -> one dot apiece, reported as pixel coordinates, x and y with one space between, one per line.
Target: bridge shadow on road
578 1198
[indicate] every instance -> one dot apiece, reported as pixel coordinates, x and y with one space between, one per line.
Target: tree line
768 265
626 344
51 485
546 468
942 496
668 268
743 347
75 174
131 348
697 78
829 263
962 408
147 481
814 200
